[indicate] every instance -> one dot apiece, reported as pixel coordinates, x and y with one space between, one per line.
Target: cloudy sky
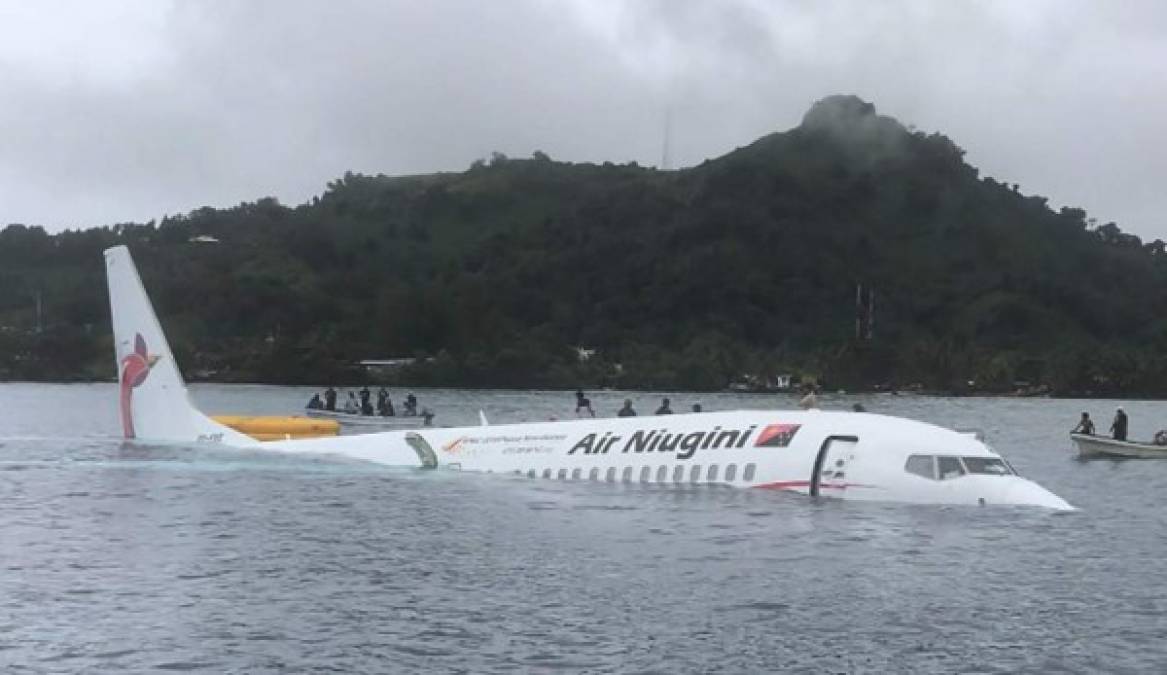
125 110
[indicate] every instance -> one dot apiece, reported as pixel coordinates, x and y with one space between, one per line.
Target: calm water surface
117 558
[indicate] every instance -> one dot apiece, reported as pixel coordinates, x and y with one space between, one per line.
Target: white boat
1101 446
847 455
371 421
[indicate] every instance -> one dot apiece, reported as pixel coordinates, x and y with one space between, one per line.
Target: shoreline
792 392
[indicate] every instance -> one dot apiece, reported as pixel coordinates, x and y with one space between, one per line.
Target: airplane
845 455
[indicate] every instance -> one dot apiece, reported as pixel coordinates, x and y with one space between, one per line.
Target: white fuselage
837 454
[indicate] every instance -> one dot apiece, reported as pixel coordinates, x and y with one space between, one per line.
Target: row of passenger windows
944 467
680 473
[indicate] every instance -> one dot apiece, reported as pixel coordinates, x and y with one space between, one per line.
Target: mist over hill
745 264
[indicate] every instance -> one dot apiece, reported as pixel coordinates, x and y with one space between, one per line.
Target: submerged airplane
846 455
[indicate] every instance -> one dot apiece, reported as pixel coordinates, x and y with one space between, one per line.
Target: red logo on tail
135 367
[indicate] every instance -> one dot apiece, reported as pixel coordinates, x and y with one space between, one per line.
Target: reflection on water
118 557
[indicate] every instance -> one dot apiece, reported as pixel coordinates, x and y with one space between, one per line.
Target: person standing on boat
627 410
582 403
315 403
366 406
382 397
411 405
330 399
1119 425
664 408
1085 425
350 405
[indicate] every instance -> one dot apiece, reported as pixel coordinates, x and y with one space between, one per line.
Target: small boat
1101 446
378 421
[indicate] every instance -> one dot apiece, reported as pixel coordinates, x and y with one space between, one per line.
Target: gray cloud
137 108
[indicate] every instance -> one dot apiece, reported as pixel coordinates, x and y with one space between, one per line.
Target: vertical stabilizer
152 398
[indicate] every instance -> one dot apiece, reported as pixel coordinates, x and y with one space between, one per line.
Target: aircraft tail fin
153 400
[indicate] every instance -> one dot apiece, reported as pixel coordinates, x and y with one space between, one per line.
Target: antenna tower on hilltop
665 163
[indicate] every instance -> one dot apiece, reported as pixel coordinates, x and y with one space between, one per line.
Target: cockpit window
921 465
949 467
993 466
945 467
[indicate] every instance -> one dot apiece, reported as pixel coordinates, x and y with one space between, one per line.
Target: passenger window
921 465
749 473
712 477
695 474
594 474
679 474
662 474
730 473
645 473
575 473
950 467
611 475
627 477
562 474
546 473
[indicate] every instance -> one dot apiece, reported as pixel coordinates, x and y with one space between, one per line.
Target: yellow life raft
279 427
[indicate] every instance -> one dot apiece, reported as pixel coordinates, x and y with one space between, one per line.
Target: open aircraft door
425 453
830 466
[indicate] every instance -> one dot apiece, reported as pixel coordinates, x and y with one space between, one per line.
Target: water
145 559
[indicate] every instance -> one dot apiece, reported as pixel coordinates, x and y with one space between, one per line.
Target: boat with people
358 410
348 419
845 455
1116 446
1091 447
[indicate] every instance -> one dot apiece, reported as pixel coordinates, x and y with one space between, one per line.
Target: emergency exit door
830 466
425 453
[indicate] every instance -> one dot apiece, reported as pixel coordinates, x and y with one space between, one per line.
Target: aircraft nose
1027 493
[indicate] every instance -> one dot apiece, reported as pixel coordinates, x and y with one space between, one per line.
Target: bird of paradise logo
135 367
454 446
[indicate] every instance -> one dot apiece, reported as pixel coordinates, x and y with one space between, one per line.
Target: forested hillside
745 264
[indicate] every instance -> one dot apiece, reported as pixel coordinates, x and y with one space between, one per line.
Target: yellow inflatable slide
279 427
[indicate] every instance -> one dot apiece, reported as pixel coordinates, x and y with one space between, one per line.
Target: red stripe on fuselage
784 485
794 484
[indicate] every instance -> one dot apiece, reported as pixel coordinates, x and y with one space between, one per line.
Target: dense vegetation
746 264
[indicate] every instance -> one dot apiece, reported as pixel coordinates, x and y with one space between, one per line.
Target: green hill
745 264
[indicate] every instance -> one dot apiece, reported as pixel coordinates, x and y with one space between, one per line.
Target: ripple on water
116 654
184 665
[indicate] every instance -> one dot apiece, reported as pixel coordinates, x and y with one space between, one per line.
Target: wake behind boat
372 421
1092 447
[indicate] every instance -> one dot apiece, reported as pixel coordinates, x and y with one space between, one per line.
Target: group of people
583 407
364 405
1117 428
